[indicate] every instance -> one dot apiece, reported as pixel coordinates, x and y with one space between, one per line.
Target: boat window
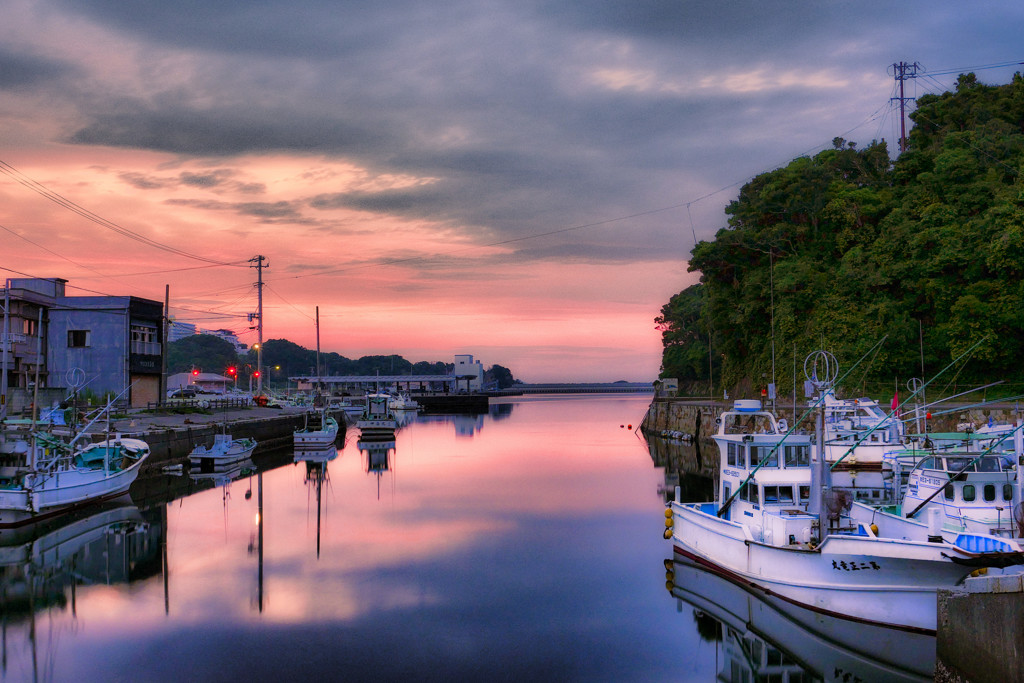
968 493
786 495
1007 492
805 493
989 492
930 464
750 493
949 492
959 464
798 456
988 465
771 495
760 454
733 458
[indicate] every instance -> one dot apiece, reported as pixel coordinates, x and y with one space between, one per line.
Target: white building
177 330
468 371
228 336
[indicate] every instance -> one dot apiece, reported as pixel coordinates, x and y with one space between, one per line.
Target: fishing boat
321 430
377 418
778 526
403 401
60 476
972 492
224 452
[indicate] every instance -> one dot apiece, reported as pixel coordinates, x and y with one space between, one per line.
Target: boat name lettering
842 565
731 473
931 482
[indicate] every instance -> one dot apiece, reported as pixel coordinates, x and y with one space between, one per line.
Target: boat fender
669 566
874 528
668 522
668 512
668 534
669 586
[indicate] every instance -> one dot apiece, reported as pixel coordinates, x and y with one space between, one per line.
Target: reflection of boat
38 562
225 451
377 418
774 527
378 456
226 474
316 455
60 476
767 638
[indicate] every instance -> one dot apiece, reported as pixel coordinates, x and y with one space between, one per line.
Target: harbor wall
681 414
173 444
979 631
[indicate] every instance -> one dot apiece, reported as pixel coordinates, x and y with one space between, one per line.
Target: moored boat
377 419
778 526
224 452
321 430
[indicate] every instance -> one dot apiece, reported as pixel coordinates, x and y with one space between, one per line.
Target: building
469 371
100 344
228 336
179 330
116 341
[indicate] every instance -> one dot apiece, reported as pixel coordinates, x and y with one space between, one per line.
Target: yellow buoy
669 565
668 522
668 512
670 576
874 529
668 533
669 586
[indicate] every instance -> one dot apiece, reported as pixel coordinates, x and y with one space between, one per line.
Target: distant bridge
581 388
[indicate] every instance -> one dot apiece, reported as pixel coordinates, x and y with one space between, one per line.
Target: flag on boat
896 404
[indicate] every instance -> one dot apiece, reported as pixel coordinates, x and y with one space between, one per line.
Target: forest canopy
839 250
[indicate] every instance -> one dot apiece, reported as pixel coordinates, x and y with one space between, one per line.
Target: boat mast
821 369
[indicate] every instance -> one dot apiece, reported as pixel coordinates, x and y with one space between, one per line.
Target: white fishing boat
972 492
377 418
321 430
224 451
402 401
779 527
60 476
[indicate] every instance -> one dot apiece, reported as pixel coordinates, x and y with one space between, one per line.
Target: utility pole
258 264
902 71
5 340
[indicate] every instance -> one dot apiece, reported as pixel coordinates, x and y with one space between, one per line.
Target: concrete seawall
682 414
979 631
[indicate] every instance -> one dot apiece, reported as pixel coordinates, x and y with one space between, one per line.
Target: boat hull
872 580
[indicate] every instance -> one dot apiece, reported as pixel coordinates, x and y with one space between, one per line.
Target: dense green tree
500 376
840 249
203 351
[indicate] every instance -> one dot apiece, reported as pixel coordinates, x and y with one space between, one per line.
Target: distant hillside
853 247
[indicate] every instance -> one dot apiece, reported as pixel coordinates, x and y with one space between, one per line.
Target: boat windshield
753 423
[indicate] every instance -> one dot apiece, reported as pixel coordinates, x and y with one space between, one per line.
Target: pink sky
545 320
519 181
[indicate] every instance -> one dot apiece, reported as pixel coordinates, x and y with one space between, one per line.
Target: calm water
521 545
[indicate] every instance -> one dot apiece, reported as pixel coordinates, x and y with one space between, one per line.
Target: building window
78 339
30 327
144 334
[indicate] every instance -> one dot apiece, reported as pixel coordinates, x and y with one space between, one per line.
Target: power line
60 200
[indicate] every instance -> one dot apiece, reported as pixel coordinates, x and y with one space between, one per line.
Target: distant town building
228 336
179 330
205 382
469 371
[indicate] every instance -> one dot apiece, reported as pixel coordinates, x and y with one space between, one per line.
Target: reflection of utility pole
902 71
258 264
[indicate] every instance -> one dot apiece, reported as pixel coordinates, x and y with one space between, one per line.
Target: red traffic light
195 372
232 370
256 374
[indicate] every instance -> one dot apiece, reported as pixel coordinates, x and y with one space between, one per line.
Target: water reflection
762 637
378 454
316 475
42 566
688 465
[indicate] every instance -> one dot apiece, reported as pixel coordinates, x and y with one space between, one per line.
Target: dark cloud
525 117
22 72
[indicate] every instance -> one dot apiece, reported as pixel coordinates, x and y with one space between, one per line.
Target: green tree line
838 250
283 359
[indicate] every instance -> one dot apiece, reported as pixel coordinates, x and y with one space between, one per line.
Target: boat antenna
821 398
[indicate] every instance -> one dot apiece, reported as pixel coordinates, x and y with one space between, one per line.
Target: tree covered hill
846 247
283 359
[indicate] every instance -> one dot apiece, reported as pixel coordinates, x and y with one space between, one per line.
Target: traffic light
195 372
232 370
256 374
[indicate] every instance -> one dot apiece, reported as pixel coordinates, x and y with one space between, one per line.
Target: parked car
184 392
